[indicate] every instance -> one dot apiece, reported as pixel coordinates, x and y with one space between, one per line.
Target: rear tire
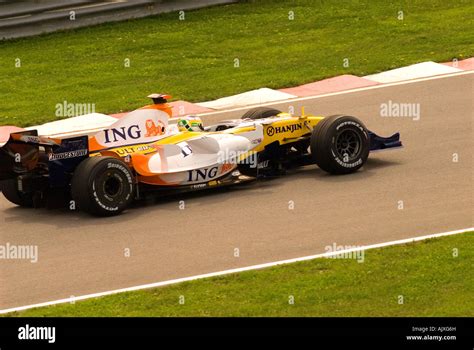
102 186
260 113
11 193
340 144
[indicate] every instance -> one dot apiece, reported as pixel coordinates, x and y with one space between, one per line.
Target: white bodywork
200 159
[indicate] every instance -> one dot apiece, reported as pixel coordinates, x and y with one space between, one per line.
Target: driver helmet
190 123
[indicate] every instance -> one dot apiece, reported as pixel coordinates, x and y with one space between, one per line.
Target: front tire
102 186
340 144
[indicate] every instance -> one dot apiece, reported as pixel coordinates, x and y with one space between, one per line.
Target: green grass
432 281
194 59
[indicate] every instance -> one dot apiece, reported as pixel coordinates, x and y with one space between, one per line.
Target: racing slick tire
260 113
102 186
11 193
340 144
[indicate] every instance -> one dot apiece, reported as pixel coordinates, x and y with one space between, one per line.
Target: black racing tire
11 193
340 144
102 186
260 113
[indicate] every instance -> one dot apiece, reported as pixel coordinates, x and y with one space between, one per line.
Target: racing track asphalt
79 254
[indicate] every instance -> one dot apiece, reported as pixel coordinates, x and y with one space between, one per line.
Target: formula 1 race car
146 150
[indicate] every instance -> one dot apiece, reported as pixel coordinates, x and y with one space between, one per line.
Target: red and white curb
343 92
414 71
340 83
232 271
253 97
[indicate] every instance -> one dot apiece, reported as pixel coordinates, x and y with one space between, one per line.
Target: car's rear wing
25 151
19 154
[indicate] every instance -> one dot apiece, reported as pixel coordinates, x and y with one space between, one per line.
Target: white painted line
231 271
315 97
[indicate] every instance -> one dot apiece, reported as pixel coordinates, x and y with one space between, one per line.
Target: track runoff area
273 263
